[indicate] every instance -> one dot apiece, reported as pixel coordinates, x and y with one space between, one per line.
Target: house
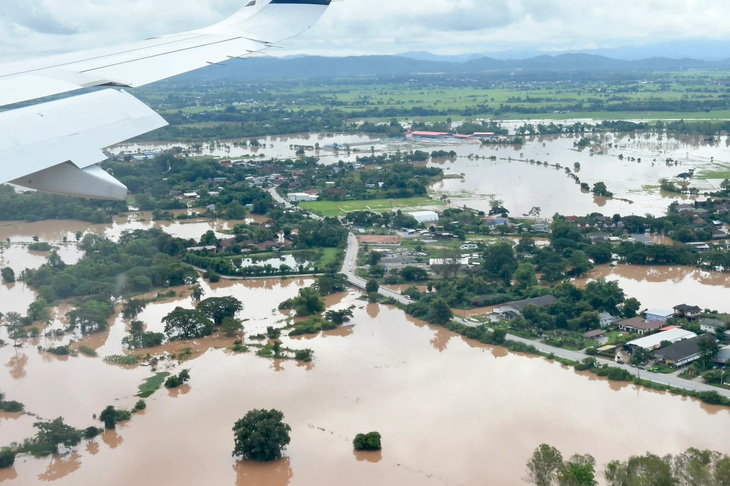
541 226
723 355
511 310
607 319
424 216
301 197
493 221
712 325
641 239
655 340
658 315
685 311
598 236
699 246
596 334
680 353
639 326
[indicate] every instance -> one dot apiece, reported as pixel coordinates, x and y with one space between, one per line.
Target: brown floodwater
441 402
664 287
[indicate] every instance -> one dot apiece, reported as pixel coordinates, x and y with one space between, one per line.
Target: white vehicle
55 146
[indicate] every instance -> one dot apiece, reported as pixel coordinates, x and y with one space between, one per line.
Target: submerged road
350 265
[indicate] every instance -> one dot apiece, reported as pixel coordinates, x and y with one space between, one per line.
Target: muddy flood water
663 287
451 411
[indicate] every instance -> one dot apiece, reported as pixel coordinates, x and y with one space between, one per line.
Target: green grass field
339 208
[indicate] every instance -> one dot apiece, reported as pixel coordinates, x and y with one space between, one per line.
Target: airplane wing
54 146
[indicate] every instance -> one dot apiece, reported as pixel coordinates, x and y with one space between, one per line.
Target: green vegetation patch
152 384
339 208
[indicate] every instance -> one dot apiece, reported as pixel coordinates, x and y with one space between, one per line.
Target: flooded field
665 287
56 230
442 404
523 185
332 147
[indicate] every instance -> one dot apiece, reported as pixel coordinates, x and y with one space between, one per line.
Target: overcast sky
377 26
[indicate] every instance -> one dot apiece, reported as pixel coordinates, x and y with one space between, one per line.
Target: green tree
708 350
231 326
579 470
38 311
440 312
374 257
631 307
8 275
339 317
109 417
500 262
367 442
648 470
54 433
372 286
603 295
525 277
132 308
331 283
218 308
308 302
186 324
261 435
545 465
7 458
197 293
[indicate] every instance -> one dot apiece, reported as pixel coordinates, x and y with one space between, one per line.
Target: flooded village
445 400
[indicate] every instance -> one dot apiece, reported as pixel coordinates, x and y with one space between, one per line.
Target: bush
91 432
7 458
11 406
304 355
60 351
87 350
367 442
140 405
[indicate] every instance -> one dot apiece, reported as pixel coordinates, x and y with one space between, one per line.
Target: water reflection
61 466
112 438
17 365
252 473
180 390
368 456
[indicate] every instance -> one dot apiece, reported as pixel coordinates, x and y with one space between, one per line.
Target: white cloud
376 26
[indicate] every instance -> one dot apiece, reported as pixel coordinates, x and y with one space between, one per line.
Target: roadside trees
261 435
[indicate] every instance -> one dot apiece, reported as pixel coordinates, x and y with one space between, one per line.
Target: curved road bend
350 264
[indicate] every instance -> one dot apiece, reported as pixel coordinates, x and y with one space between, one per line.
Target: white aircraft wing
53 146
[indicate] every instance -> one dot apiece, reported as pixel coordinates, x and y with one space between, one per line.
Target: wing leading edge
53 135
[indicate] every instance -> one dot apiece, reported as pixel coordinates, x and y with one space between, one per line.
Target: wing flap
75 129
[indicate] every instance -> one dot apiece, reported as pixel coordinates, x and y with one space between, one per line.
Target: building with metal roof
681 353
655 340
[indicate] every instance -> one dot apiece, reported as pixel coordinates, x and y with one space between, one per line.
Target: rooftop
543 301
641 324
660 312
681 350
655 340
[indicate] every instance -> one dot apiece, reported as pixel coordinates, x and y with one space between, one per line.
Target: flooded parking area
442 404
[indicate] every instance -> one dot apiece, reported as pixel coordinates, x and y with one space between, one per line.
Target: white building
655 340
301 197
425 216
607 319
658 315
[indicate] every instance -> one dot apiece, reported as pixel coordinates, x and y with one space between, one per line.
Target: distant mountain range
356 66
